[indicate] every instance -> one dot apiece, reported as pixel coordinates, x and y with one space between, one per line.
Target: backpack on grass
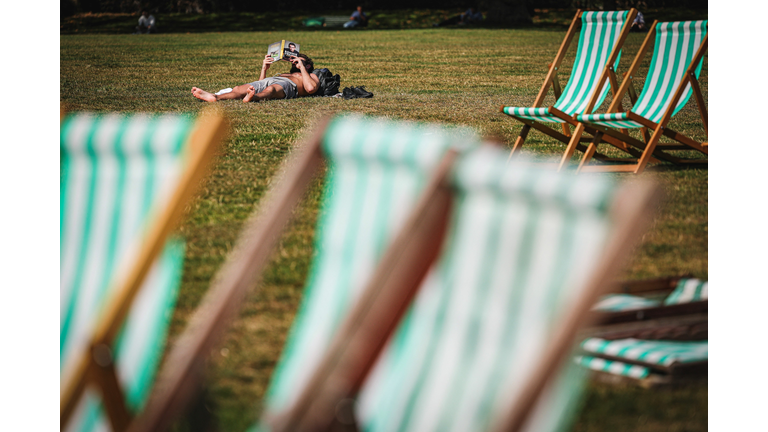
329 83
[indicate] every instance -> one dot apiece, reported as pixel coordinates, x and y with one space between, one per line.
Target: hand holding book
283 50
268 60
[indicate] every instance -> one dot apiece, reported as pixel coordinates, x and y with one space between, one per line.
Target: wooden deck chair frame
95 367
368 325
652 150
684 327
574 139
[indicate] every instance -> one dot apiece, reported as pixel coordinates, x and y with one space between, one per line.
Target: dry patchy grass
458 76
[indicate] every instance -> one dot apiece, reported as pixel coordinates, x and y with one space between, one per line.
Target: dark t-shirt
357 16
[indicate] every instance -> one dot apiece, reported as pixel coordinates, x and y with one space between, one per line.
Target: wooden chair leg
566 129
70 394
520 140
590 151
104 375
571 146
648 153
699 100
646 135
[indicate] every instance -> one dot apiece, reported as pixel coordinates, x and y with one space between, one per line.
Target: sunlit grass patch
457 76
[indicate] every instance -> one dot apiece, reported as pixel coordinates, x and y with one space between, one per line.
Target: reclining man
298 82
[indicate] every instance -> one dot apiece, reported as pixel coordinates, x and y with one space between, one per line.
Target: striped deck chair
594 71
671 308
377 170
125 180
624 302
688 291
338 279
664 343
677 60
688 297
651 362
525 248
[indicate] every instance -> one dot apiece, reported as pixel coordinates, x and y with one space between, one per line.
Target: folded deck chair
594 71
125 180
525 255
377 170
688 296
676 63
679 313
672 308
649 362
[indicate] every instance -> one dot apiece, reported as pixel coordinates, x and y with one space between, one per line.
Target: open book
283 50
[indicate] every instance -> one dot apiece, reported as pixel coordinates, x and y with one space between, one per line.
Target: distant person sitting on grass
298 82
358 18
146 23
639 23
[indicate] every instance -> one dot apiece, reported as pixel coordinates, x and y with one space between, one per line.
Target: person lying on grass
298 82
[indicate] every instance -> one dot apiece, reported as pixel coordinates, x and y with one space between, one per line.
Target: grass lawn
456 76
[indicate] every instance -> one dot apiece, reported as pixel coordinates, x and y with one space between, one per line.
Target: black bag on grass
329 83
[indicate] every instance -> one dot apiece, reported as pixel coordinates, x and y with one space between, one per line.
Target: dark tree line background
498 10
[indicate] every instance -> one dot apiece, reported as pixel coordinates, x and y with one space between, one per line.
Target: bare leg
271 92
238 92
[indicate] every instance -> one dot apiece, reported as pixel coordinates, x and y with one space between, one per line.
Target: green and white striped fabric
377 170
600 32
613 367
688 290
114 171
623 302
676 46
521 245
662 353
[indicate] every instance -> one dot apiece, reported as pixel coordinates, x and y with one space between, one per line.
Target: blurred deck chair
376 171
594 71
125 180
678 56
648 341
484 346
483 340
645 362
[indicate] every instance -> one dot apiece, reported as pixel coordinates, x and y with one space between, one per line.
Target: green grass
458 76
616 408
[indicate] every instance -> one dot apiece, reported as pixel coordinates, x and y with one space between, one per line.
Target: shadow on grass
660 168
677 168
